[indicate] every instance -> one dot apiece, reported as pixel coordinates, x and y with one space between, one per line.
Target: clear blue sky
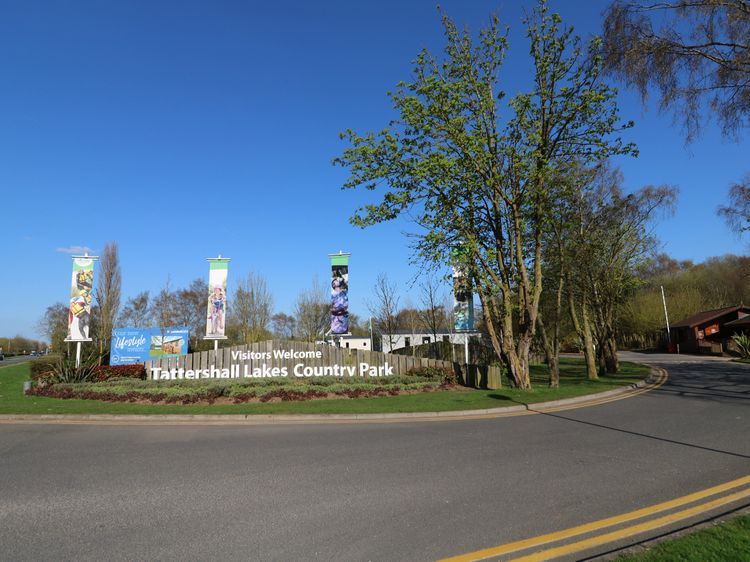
183 130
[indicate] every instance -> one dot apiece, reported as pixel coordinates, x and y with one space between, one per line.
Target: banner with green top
339 293
217 297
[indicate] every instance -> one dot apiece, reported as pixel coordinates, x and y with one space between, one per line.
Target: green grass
572 383
727 541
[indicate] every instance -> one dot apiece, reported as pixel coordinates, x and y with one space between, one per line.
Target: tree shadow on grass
500 397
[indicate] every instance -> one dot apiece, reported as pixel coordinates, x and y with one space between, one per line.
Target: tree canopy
690 51
478 173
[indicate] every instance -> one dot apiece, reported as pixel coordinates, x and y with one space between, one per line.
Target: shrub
64 370
742 343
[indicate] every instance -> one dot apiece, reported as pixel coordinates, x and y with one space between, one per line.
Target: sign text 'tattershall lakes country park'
259 367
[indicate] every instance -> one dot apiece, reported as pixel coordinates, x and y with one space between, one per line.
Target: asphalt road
14 360
364 491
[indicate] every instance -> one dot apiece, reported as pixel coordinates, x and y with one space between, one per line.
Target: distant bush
44 367
442 375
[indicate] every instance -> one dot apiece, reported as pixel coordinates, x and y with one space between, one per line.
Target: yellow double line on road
612 536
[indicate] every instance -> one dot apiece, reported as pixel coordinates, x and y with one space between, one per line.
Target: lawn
572 383
727 541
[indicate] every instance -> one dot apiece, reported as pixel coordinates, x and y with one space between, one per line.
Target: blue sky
183 130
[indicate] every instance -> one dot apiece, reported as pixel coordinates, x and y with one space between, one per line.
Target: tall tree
696 54
737 213
312 312
108 292
432 314
615 240
252 307
54 325
190 309
384 308
137 311
471 180
164 308
690 51
283 325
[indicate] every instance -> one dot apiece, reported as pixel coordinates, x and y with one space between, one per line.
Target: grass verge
572 383
726 541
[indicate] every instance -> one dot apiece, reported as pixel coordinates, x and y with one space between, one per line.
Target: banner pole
78 354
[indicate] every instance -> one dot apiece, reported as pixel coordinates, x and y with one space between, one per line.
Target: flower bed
127 386
234 393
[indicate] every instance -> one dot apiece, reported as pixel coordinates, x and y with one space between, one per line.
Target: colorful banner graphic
217 298
136 345
79 315
339 294
463 298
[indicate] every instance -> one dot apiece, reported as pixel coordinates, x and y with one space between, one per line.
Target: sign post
79 313
218 268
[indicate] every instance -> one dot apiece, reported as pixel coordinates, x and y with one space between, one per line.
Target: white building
350 342
406 338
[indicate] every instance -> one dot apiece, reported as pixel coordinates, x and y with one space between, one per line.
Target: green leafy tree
615 241
472 178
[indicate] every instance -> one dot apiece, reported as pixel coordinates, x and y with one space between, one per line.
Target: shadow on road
640 434
719 382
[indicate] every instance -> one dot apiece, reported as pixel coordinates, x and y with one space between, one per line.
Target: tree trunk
583 329
552 355
588 345
609 353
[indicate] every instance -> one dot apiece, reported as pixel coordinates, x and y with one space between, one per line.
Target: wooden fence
268 353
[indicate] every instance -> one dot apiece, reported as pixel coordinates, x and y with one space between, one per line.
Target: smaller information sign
136 345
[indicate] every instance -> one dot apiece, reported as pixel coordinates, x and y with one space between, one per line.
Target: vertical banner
339 293
82 284
217 297
463 299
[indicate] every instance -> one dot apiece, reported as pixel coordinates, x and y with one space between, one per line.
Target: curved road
371 491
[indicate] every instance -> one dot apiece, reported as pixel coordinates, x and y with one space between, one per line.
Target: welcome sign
273 364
